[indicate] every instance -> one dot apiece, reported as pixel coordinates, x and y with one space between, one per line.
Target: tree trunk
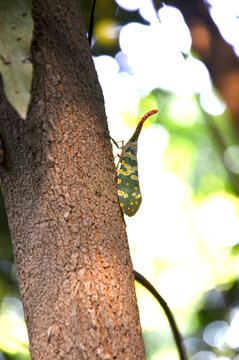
70 245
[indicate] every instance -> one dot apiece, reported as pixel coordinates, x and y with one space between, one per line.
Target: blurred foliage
196 150
198 142
196 153
107 25
216 316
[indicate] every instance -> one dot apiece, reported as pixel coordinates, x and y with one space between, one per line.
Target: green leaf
16 27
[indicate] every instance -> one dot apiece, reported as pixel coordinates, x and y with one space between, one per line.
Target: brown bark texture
70 245
214 51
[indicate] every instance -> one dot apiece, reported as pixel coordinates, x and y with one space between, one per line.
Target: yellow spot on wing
128 154
119 181
120 192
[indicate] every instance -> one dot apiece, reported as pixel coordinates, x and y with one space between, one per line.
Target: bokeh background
181 59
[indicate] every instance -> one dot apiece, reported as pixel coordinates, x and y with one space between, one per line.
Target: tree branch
176 334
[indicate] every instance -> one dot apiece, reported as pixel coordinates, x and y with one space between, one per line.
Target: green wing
128 181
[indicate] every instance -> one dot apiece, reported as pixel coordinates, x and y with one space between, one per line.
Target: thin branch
177 336
91 26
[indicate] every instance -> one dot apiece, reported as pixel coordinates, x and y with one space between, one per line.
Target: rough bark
68 234
215 52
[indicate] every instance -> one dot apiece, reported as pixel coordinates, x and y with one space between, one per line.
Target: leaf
16 27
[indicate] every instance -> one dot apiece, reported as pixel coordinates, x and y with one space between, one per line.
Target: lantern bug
128 181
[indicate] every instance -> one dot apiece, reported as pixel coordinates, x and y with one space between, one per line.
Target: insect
128 181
